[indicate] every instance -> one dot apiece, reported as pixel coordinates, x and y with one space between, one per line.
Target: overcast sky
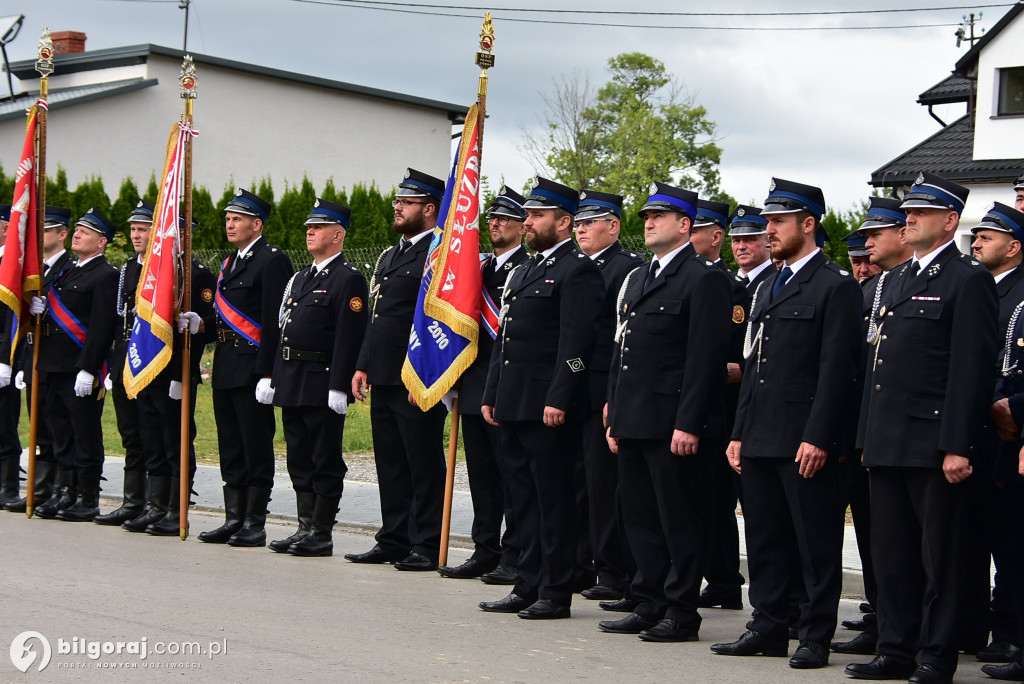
825 107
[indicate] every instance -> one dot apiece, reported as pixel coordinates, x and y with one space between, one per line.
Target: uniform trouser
786 512
76 426
245 438
44 439
160 417
315 460
664 503
408 448
128 426
10 413
917 535
722 565
1011 567
612 557
857 495
976 594
541 462
488 487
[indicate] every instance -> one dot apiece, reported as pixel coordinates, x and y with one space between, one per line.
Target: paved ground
281 619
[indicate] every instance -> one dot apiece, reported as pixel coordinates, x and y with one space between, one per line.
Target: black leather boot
253 532
10 485
86 507
319 542
170 524
133 502
234 516
305 502
63 496
45 473
156 504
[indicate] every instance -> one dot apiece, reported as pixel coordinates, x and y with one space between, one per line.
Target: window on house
1011 91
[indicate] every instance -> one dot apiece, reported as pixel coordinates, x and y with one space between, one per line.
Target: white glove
37 306
108 384
19 381
5 375
264 391
174 391
338 402
83 383
189 320
449 398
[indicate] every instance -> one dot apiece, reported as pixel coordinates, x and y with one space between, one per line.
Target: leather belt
48 330
227 335
292 354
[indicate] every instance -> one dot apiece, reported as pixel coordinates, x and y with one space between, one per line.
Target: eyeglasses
587 224
403 202
499 221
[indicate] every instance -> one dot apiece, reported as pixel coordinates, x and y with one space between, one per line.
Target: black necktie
915 268
780 281
234 262
745 280
651 275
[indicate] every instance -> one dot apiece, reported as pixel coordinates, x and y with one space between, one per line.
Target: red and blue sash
70 325
246 328
489 311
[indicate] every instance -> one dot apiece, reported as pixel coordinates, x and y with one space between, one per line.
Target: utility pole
184 4
962 32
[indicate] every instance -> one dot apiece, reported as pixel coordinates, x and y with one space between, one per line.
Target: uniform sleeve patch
576 365
207 295
738 314
356 304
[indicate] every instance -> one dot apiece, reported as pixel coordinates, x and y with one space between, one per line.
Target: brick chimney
66 42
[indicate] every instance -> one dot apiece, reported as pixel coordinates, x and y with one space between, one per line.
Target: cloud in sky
822 107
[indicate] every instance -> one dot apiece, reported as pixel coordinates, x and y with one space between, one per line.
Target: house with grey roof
111 112
984 148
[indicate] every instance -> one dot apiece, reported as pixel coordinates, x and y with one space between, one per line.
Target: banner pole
187 81
44 66
484 60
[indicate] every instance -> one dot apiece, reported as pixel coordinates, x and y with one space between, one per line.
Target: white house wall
249 126
978 203
1001 138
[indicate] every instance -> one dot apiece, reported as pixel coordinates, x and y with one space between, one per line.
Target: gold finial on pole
484 57
44 65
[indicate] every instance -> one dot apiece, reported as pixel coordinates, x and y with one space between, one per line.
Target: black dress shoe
810 655
471 569
669 631
882 667
929 674
416 562
864 643
715 598
602 592
998 651
753 643
623 605
866 607
631 624
503 574
545 609
510 604
375 555
858 625
1010 672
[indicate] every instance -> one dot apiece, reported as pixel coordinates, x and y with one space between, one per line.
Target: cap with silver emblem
747 220
933 192
547 194
329 212
507 203
665 197
94 219
142 213
245 202
594 204
419 184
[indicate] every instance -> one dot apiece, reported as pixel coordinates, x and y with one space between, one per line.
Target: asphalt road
277 618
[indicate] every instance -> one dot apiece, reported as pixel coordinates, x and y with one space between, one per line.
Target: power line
365 4
807 13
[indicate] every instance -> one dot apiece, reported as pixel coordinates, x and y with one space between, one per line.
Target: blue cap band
682 204
811 206
561 200
721 219
245 201
610 206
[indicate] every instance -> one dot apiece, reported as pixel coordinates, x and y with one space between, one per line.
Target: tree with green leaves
638 127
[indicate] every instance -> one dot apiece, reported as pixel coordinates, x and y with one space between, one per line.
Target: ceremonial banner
446 327
151 343
19 270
